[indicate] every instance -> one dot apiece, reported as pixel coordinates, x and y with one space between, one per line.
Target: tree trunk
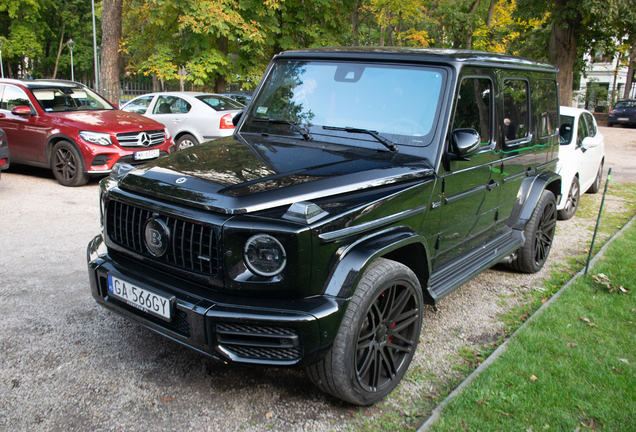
562 48
59 50
630 69
355 23
491 11
111 34
221 81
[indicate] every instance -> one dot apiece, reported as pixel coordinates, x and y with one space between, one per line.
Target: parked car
581 158
67 127
241 97
623 113
360 184
4 152
191 117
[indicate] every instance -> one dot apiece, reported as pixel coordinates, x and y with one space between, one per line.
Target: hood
107 121
238 175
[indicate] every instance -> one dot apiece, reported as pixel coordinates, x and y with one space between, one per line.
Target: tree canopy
213 43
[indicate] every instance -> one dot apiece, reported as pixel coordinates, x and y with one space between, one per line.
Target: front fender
529 195
354 258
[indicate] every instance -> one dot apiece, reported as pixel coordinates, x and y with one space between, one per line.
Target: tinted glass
473 109
547 107
69 99
582 131
171 105
515 110
139 105
625 104
400 103
565 130
220 103
14 97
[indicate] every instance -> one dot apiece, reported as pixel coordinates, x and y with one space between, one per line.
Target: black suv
359 185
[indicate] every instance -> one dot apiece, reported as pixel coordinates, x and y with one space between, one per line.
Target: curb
437 411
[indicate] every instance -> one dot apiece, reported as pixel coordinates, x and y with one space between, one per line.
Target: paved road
67 364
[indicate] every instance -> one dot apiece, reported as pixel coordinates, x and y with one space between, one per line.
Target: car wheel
377 338
68 165
186 141
539 234
572 202
596 186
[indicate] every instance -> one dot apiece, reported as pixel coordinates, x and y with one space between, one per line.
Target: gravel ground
67 364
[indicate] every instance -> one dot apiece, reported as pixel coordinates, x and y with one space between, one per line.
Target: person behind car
509 130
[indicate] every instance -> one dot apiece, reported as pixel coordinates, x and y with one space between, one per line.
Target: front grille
257 342
191 246
136 139
179 324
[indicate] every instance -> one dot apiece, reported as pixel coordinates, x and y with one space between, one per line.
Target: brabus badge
157 237
180 180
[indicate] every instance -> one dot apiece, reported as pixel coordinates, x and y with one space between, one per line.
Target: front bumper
274 332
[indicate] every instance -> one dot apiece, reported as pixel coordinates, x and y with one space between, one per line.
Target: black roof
480 58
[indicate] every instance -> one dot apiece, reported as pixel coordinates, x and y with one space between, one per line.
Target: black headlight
264 255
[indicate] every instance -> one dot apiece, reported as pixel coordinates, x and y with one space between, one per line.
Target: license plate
623 119
146 154
140 298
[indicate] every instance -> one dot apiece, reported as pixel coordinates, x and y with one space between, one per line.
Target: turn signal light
226 122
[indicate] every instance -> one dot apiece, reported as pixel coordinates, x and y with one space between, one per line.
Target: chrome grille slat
131 139
125 226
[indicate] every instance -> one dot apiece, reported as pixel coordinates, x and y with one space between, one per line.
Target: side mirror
237 117
589 142
22 110
466 143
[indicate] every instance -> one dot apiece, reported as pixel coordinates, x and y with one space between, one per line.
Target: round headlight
264 255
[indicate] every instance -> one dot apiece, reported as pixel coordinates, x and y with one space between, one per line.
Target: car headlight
264 255
96 138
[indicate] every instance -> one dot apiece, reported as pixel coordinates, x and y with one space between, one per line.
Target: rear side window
547 108
591 126
516 122
474 107
582 131
14 97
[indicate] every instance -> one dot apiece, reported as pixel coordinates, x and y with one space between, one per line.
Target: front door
469 188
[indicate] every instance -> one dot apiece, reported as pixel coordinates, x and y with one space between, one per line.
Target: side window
139 105
180 106
591 126
474 107
547 107
14 97
582 131
163 105
516 123
171 105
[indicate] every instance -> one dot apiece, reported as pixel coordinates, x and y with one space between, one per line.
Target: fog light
264 255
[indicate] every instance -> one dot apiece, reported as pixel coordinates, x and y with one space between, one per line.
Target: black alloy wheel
572 202
68 165
377 338
539 233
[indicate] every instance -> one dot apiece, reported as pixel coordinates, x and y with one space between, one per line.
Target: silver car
191 117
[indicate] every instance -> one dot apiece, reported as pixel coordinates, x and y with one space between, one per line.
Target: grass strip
572 368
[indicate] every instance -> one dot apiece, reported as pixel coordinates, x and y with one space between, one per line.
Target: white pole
95 49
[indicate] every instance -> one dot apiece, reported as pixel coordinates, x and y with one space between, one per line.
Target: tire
68 165
186 141
572 202
596 186
377 338
539 234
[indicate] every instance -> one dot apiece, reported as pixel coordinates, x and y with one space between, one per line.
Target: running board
456 273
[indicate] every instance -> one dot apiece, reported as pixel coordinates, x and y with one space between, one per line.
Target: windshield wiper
294 126
384 141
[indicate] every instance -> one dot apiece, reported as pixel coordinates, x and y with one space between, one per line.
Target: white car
190 117
581 158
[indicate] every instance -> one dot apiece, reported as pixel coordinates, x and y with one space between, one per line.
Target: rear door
172 111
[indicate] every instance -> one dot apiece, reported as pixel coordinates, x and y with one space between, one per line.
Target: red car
71 129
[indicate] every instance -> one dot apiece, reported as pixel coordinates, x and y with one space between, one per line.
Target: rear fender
530 194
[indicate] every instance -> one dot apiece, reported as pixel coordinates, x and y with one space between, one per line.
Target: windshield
69 99
565 131
400 103
220 103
